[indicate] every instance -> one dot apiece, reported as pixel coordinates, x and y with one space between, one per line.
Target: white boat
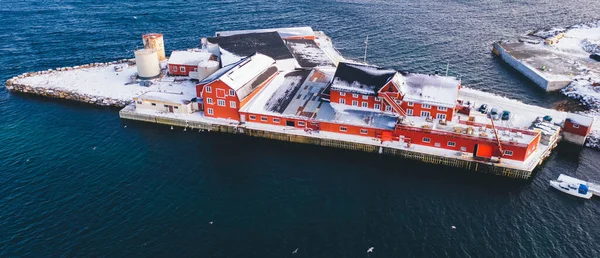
572 186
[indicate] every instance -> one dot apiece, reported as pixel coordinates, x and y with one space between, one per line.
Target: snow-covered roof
360 78
245 75
430 89
580 119
308 53
283 32
246 70
359 116
267 43
164 97
192 57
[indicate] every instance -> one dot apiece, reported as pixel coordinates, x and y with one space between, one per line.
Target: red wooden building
576 128
183 62
386 90
227 90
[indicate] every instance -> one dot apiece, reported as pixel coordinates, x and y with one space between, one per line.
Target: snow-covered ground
578 43
524 114
105 82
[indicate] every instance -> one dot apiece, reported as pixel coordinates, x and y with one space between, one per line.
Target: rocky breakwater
59 93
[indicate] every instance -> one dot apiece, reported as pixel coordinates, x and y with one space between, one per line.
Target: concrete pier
529 62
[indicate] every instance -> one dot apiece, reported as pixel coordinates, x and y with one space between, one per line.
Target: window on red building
343 129
342 101
221 102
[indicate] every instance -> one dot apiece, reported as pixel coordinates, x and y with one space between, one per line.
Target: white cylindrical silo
206 68
147 63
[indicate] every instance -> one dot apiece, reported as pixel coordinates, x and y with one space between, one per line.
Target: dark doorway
290 123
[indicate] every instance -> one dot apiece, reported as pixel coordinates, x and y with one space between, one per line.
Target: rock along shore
57 92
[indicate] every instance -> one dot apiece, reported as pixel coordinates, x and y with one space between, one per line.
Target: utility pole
366 45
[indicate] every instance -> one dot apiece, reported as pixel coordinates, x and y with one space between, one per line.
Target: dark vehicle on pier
505 115
483 108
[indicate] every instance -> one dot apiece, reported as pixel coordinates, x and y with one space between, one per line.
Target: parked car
483 108
494 114
505 115
595 56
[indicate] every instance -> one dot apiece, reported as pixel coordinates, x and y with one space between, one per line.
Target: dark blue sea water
75 182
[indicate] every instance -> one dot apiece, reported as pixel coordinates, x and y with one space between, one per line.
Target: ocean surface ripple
76 182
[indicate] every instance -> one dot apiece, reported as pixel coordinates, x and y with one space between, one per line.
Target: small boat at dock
575 187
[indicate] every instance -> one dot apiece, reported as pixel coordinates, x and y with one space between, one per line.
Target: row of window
275 120
181 68
221 102
208 89
453 144
378 106
154 104
345 129
365 97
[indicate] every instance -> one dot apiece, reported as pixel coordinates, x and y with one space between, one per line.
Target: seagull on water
124 126
171 127
135 17
370 250
453 227
210 222
94 148
295 251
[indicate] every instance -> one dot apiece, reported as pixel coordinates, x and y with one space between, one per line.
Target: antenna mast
447 65
366 45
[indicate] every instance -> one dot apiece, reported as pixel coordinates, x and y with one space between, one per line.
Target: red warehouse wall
570 128
433 110
215 91
416 137
175 69
370 101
